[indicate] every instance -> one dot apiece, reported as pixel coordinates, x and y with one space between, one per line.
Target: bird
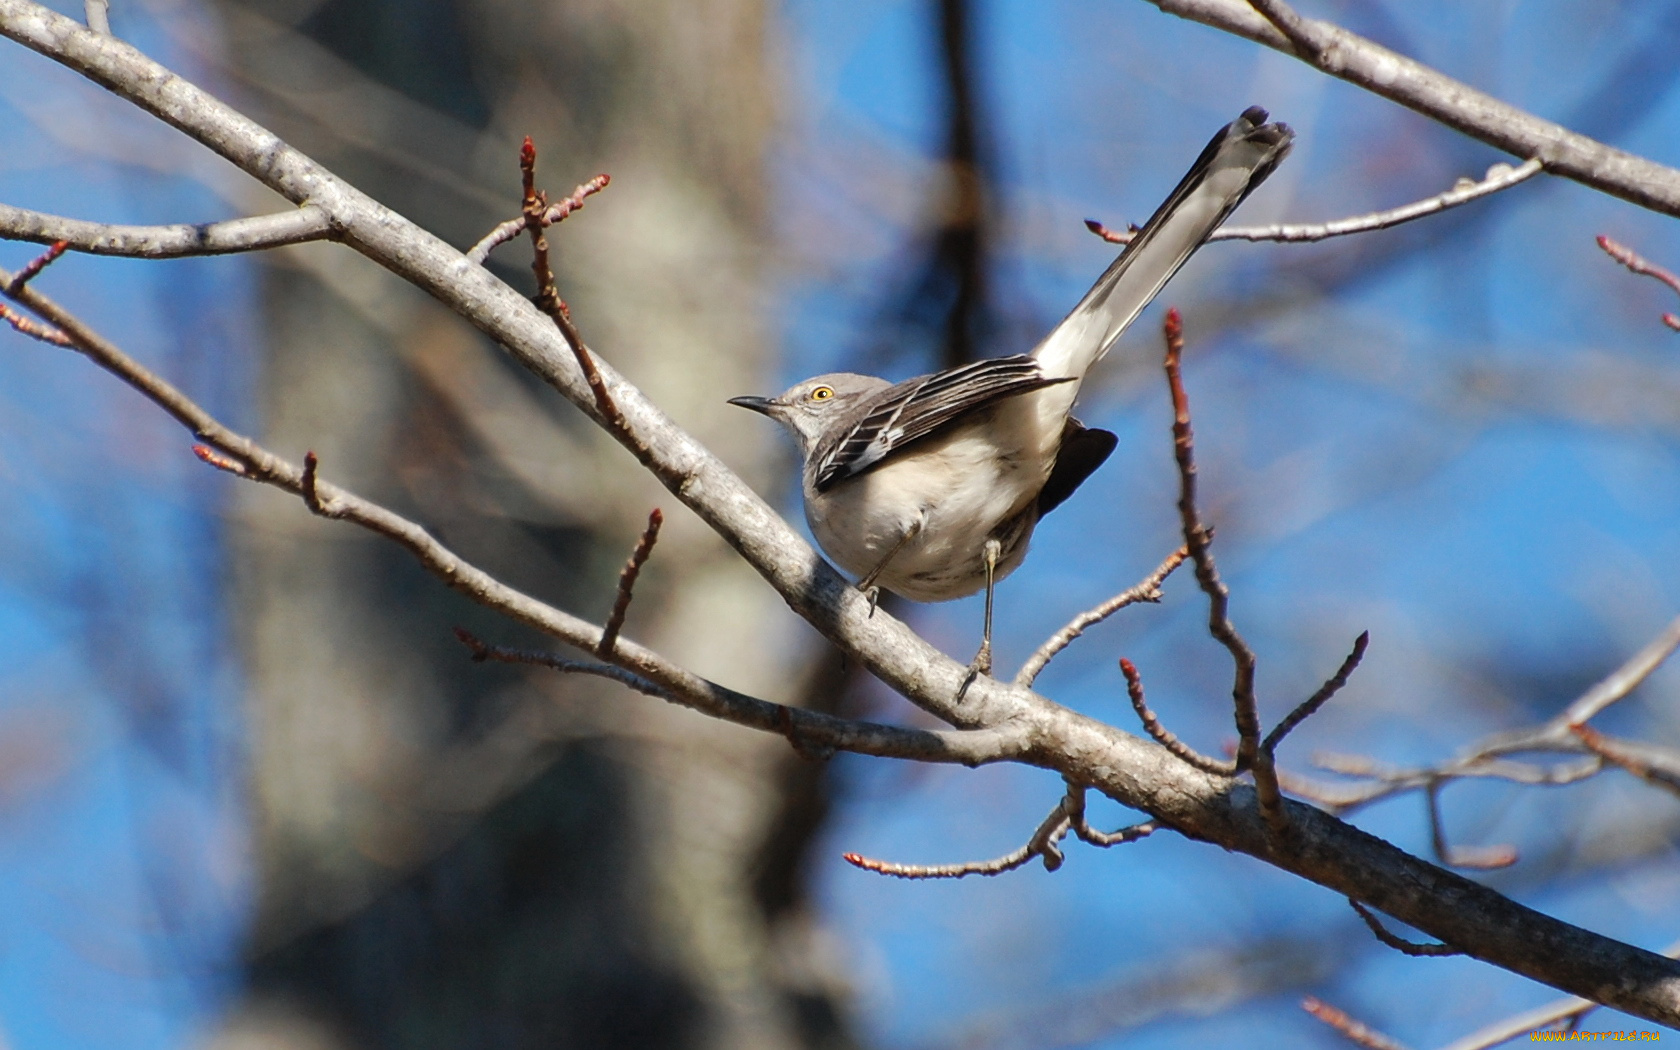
930 488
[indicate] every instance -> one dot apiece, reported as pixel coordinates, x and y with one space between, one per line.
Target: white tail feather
1239 157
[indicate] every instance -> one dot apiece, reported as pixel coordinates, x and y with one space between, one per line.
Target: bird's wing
917 408
1237 160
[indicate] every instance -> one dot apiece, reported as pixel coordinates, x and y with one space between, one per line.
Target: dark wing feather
1083 450
920 407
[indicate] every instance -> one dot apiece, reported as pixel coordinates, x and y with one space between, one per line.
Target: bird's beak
757 404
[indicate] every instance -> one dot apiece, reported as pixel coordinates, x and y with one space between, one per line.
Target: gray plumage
914 486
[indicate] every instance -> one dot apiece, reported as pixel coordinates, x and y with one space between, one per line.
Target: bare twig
1400 945
1499 176
1640 265
226 464
1622 681
1480 858
1358 1033
1073 804
1312 703
1161 734
1655 765
35 266
482 652
34 329
98 14
556 212
534 208
1198 541
627 582
308 223
1489 757
1042 844
1146 590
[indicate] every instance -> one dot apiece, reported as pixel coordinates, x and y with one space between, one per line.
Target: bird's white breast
961 487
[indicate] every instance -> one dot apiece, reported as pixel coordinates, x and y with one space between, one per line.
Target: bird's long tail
1237 160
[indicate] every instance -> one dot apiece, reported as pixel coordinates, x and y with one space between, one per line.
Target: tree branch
1645 268
251 234
1499 176
1412 84
1147 589
1042 844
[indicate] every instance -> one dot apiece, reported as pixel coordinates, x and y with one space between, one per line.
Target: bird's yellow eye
822 393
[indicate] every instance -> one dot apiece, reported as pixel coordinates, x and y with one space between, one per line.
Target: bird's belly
958 490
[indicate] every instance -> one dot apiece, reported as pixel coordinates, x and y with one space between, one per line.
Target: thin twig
557 212
1658 766
98 14
1199 542
35 266
627 583
1042 844
1358 1033
1404 947
34 329
534 208
226 464
482 652
1487 758
1312 703
1480 858
1146 590
1073 804
1640 265
1624 679
1500 176
1163 735
295 226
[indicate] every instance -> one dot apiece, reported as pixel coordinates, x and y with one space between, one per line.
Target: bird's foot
980 665
872 592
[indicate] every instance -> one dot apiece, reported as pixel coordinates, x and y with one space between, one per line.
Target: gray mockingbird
931 487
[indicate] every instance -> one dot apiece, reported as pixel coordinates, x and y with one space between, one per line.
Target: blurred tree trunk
459 855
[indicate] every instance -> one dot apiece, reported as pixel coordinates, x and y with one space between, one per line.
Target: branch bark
168 242
1351 57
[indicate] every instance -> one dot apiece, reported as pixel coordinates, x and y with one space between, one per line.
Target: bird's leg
982 662
867 584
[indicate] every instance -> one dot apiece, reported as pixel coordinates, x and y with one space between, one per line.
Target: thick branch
1454 103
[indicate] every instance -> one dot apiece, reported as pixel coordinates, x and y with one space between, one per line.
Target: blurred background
253 793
